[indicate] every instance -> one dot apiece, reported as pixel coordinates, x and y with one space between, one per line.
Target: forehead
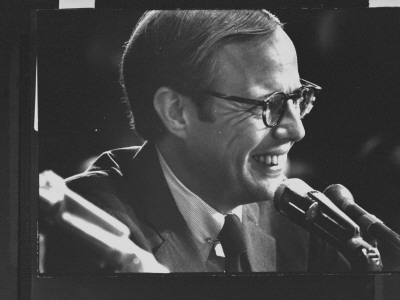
258 66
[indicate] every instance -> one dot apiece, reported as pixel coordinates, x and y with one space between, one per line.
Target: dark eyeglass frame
305 86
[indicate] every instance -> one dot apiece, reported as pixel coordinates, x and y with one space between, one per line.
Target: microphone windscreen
339 195
295 187
294 184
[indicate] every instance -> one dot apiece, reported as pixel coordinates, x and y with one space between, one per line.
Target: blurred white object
69 210
62 4
384 3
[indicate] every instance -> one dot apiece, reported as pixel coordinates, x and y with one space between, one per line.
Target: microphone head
295 185
339 195
314 212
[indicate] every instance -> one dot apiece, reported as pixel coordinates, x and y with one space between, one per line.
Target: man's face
236 159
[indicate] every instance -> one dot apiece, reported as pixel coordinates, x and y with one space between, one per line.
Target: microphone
104 234
313 211
368 223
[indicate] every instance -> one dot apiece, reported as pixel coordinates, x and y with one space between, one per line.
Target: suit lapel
261 247
172 243
180 253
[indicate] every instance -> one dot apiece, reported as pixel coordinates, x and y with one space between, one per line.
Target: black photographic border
24 184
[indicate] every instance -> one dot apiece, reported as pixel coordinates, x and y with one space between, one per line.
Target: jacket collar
261 246
172 243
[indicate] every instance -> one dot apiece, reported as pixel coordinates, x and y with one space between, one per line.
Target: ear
170 107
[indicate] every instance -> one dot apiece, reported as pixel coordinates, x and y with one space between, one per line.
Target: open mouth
270 160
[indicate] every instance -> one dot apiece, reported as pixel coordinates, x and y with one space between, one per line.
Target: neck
189 173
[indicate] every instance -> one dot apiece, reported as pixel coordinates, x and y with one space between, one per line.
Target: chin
274 184
265 191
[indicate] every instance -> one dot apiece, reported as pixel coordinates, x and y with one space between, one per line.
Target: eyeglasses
274 105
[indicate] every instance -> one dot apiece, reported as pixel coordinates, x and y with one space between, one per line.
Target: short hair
178 49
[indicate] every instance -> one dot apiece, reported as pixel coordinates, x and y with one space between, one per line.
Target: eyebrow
263 97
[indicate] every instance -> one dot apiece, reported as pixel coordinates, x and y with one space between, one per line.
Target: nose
290 126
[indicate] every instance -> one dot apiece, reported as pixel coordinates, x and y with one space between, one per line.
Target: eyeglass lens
275 108
307 103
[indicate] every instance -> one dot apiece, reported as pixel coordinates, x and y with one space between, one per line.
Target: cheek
230 137
238 148
247 138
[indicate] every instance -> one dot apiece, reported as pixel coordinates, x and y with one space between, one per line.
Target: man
218 97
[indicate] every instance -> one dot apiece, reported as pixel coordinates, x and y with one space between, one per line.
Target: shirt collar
204 222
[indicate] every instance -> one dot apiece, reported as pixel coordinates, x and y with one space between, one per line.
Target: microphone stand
362 256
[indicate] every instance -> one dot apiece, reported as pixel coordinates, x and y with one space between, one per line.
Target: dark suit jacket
129 184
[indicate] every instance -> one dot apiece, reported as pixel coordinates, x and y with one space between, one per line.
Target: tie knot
231 236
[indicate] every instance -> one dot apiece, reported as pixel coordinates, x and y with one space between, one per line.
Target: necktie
234 245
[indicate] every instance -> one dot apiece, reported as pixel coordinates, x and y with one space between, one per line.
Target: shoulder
110 164
107 182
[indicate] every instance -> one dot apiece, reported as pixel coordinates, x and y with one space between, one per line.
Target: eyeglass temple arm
308 83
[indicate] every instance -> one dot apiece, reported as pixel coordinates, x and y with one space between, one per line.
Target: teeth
272 160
